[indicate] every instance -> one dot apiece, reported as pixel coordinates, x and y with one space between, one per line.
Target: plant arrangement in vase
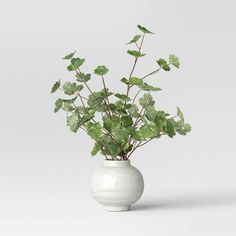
118 123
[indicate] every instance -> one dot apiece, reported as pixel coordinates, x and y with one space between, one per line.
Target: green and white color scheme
118 123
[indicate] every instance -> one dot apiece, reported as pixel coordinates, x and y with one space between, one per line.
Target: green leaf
111 124
128 148
144 30
181 127
101 70
94 130
135 39
113 149
81 77
73 122
187 127
127 106
107 124
160 120
135 53
56 86
173 60
71 88
58 105
146 100
67 106
170 128
120 107
96 149
133 111
69 56
180 114
147 87
150 113
163 64
121 135
96 99
147 131
105 140
126 121
84 119
144 86
77 62
70 68
125 81
135 81
123 97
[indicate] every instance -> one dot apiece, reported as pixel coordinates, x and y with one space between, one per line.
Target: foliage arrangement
117 122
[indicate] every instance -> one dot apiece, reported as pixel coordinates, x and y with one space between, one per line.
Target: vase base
117 208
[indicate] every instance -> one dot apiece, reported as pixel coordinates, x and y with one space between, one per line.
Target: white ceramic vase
117 185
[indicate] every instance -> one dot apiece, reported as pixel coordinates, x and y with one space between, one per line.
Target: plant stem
136 95
132 70
133 150
81 99
137 119
78 73
141 144
135 62
151 73
106 91
84 98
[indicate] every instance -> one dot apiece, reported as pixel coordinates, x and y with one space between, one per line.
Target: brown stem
132 70
135 62
136 45
133 150
140 145
81 99
108 102
137 119
83 129
151 73
136 95
84 98
78 73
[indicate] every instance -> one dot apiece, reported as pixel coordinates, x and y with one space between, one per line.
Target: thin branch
106 92
140 145
151 73
78 73
133 150
103 150
136 95
84 98
137 119
83 129
135 62
81 99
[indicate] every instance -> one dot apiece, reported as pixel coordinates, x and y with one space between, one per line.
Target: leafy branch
125 125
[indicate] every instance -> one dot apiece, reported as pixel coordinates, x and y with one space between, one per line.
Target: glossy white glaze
117 185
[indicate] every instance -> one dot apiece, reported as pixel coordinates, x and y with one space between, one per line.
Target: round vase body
117 185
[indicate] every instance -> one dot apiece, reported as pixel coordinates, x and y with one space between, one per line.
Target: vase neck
116 163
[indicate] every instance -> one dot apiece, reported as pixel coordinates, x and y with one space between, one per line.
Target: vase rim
116 162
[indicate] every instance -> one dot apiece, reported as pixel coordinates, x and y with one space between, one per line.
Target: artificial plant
117 122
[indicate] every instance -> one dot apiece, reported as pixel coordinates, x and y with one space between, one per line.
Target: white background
44 168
